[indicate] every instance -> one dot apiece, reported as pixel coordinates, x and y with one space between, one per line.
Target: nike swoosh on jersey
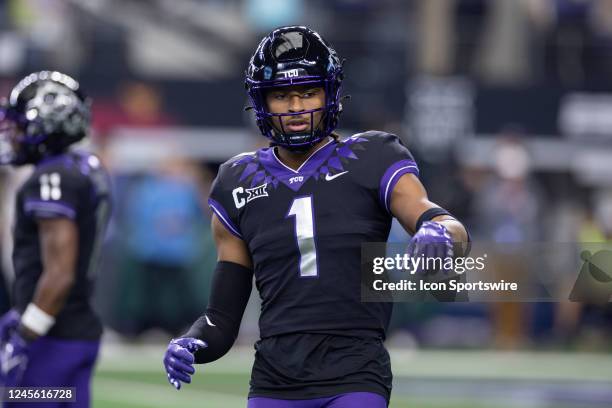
329 177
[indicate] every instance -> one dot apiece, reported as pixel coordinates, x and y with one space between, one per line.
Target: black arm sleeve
218 326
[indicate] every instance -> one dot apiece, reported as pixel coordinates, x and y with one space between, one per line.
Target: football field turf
133 377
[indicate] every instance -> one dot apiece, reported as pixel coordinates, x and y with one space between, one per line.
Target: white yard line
408 363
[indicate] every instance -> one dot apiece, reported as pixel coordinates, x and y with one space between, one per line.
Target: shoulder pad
240 159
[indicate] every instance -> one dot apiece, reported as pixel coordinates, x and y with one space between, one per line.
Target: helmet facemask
275 130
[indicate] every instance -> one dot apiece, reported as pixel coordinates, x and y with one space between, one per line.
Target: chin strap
299 149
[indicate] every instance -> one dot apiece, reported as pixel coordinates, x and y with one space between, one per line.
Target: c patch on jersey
251 194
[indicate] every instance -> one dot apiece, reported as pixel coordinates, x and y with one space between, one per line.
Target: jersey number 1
301 209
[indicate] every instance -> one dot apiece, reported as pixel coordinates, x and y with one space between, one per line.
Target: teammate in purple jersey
294 215
51 336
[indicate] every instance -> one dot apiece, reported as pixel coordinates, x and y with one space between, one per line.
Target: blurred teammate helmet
294 55
45 113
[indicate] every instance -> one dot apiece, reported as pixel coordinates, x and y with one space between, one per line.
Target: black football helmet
295 55
44 114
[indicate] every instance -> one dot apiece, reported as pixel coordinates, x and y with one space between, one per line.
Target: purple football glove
179 359
13 359
8 323
432 240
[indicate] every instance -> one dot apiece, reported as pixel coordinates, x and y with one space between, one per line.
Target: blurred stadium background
506 104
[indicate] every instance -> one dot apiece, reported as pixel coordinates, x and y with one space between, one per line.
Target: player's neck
295 159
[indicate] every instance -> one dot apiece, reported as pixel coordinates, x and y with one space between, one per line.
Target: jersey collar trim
305 161
294 179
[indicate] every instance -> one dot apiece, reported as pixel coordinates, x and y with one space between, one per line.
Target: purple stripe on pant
347 400
59 363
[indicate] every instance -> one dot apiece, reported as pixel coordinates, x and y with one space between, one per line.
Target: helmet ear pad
294 55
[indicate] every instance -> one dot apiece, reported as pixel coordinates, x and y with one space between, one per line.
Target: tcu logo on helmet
292 73
251 193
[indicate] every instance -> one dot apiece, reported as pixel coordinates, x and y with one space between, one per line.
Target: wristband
429 215
37 320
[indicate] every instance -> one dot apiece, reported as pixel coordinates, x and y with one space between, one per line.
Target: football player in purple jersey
51 336
294 216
